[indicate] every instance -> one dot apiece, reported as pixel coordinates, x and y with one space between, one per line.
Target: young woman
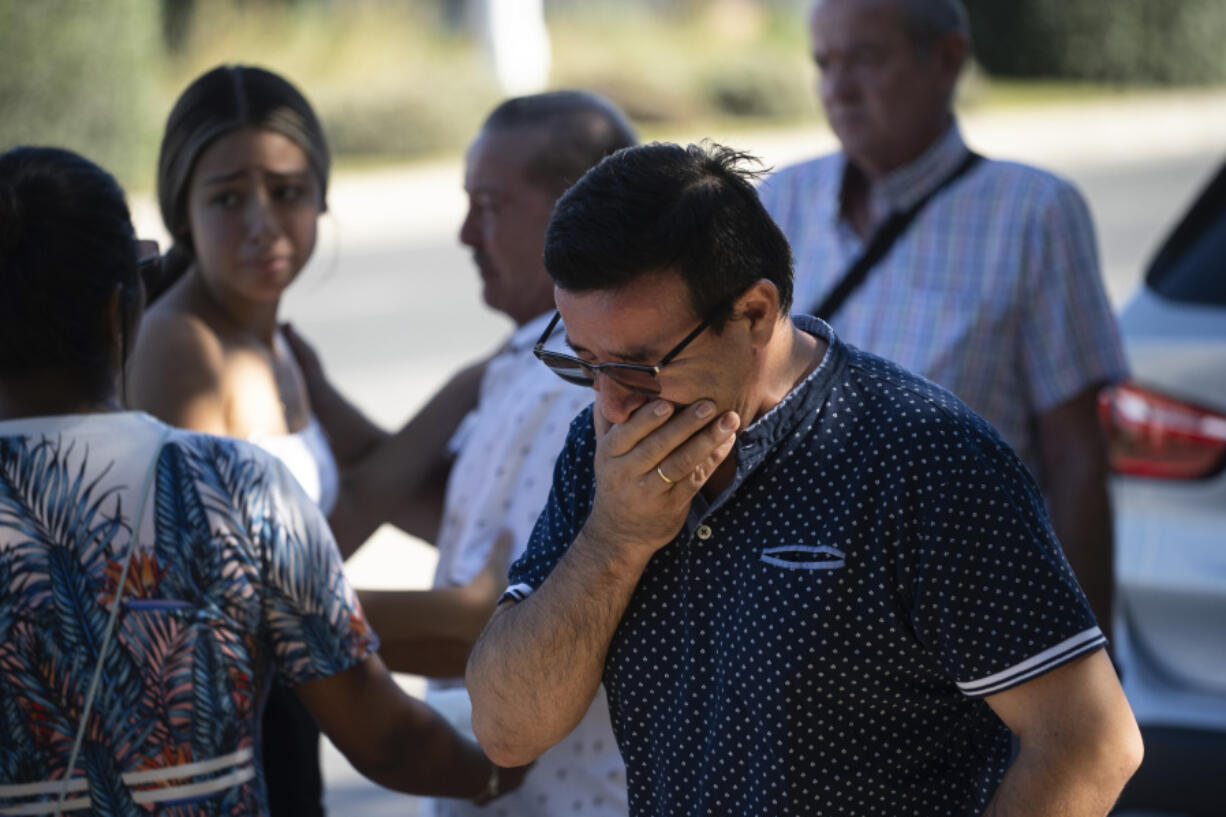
153 580
242 180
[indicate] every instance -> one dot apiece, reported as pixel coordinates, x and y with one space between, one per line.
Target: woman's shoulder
171 331
176 342
189 371
177 368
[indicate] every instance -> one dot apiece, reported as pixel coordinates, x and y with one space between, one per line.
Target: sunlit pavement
393 304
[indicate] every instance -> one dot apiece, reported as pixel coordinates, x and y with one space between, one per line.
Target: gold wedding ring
661 473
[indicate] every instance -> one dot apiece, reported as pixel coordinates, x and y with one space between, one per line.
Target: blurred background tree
1120 41
80 76
394 79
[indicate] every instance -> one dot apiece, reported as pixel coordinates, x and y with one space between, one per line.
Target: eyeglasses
636 377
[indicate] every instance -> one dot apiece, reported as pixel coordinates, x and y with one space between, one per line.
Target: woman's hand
502 781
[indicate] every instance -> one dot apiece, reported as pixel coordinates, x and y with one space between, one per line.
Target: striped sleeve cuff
516 592
1081 644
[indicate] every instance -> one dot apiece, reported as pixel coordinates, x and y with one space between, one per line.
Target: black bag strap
883 239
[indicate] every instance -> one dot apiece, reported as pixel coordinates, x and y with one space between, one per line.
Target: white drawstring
66 785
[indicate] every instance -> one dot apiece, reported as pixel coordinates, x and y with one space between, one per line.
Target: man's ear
951 52
759 305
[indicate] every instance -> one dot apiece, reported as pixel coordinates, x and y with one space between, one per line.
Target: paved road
392 301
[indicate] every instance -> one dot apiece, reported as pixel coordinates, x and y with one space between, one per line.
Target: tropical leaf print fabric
235 577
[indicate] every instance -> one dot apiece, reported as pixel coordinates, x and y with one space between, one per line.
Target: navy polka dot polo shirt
819 639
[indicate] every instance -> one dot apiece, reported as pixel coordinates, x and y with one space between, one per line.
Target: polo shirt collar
805 400
525 337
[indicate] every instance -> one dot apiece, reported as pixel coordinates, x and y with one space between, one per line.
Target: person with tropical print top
155 581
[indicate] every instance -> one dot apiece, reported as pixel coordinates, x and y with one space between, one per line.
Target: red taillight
1151 435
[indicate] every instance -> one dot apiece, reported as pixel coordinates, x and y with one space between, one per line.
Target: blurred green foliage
78 76
1132 41
400 78
681 62
389 78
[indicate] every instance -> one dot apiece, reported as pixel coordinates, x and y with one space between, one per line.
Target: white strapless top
308 457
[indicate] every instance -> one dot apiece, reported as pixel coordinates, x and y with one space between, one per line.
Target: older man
980 275
498 471
812 582
528 152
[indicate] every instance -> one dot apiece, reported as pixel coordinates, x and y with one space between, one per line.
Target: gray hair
926 21
579 129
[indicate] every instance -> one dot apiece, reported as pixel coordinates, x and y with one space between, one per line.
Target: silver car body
1171 534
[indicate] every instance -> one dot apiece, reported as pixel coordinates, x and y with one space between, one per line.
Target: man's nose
836 82
470 236
615 402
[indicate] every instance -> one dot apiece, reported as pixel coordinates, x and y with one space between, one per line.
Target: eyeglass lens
576 371
572 371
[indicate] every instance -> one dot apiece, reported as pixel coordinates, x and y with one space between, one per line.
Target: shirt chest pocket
785 614
804 557
185 622
790 586
783 589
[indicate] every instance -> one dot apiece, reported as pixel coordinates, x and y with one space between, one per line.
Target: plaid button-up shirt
993 292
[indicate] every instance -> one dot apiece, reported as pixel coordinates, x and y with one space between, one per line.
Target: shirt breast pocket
804 557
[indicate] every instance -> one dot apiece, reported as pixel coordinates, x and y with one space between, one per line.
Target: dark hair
226 99
663 207
66 242
579 130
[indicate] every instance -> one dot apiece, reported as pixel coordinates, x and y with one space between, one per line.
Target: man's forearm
393 739
1051 786
428 632
401 479
1073 463
1079 742
432 658
536 668
458 613
429 758
1081 517
351 434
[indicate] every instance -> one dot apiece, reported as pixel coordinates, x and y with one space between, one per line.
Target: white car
1167 434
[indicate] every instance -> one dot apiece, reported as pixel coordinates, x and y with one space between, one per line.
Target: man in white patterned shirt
528 152
498 464
992 289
